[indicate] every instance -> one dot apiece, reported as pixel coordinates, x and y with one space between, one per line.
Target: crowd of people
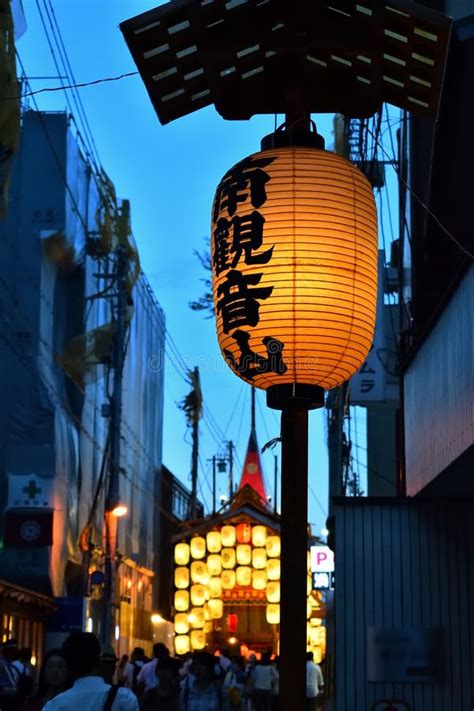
83 676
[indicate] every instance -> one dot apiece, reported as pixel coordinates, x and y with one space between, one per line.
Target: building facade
58 247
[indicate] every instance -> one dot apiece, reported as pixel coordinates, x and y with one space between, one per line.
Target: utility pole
113 491
335 442
192 408
213 485
230 446
275 484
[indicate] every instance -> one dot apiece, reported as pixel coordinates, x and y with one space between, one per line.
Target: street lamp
119 510
294 260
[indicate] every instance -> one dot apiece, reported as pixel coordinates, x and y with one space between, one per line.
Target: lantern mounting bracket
295 133
295 395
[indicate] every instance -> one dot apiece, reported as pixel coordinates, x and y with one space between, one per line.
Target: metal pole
275 484
195 452
294 544
113 493
231 468
213 485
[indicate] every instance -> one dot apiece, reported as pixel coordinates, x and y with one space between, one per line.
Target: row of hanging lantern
241 556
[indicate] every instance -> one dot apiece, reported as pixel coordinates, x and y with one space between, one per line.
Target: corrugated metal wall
439 392
406 564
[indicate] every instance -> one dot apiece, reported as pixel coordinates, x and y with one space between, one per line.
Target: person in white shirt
147 678
314 683
133 669
90 692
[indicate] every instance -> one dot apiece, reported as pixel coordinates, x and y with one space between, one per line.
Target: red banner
28 529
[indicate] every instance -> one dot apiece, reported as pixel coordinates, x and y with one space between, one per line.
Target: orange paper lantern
294 259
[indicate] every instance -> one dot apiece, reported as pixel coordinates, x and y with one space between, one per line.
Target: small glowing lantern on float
228 579
259 536
296 305
215 588
273 614
244 554
216 609
181 600
198 547
273 592
213 540
214 564
244 533
309 608
181 554
244 576
259 579
198 595
273 569
259 558
197 618
181 624
228 558
273 546
198 640
181 578
228 536
182 644
199 572
309 585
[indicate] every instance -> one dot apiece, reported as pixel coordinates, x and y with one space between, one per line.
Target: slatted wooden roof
265 56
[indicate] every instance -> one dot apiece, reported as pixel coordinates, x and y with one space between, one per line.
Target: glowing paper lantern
259 536
181 578
181 624
198 547
273 614
228 579
259 579
199 572
215 588
309 608
259 558
181 600
197 618
306 273
273 546
213 540
228 558
309 584
273 592
182 644
214 564
244 576
198 595
244 554
244 533
216 609
181 554
198 639
228 536
273 569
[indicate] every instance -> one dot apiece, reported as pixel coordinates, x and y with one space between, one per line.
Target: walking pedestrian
200 690
9 676
54 678
314 683
133 669
89 692
108 664
147 678
263 684
164 696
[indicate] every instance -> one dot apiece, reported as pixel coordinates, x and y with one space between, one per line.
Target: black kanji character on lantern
250 363
367 385
220 257
238 303
244 178
247 237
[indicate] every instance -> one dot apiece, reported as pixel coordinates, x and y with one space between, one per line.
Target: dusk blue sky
169 173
